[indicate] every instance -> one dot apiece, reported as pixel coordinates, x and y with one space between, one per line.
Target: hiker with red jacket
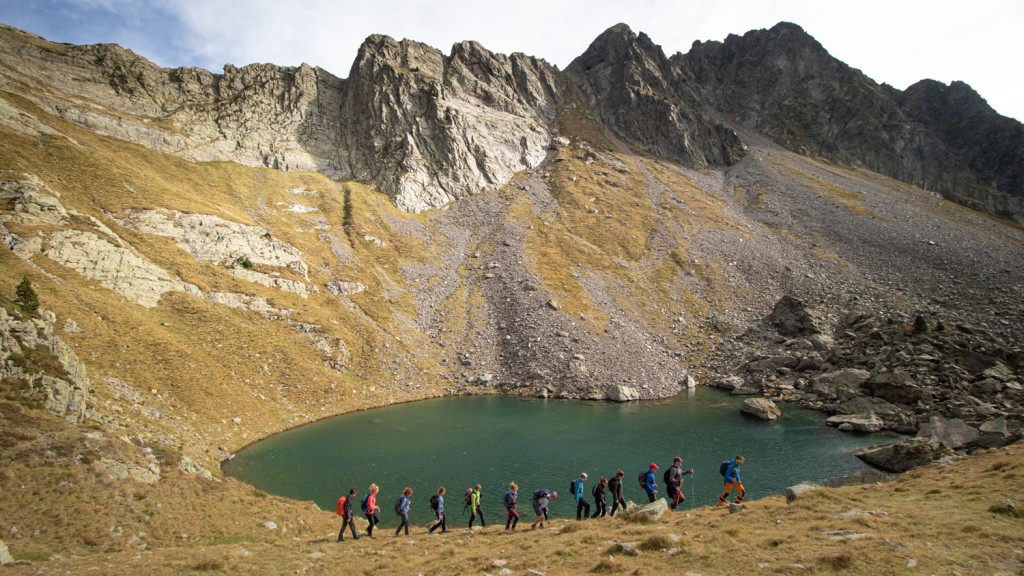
345 511
615 488
371 509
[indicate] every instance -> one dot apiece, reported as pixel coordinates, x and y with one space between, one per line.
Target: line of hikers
540 499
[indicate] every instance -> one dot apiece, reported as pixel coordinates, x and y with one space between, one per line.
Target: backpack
642 479
665 476
593 491
341 505
723 467
433 502
398 505
469 496
572 487
539 494
509 500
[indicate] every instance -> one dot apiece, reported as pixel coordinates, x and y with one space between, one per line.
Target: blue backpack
723 467
362 505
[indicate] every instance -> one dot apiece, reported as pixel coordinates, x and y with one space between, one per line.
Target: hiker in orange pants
732 481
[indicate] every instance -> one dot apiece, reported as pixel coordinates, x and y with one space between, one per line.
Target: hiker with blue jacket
402 509
437 503
582 506
732 480
649 486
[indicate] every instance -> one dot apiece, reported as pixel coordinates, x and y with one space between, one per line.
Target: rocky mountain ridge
428 128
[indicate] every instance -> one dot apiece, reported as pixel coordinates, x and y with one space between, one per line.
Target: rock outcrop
25 342
762 408
642 96
782 83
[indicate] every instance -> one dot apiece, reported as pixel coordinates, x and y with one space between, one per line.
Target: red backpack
341 505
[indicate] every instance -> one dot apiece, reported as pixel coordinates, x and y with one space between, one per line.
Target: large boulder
772 363
995 433
763 408
623 394
950 432
798 490
655 510
902 456
791 317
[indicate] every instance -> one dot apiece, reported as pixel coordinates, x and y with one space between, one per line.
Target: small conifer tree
920 324
27 300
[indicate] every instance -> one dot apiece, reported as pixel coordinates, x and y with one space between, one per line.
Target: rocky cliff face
424 127
643 97
430 129
782 83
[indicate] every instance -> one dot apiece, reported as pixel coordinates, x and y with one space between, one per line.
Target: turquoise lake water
491 440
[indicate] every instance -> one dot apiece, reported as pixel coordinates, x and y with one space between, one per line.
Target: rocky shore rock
762 408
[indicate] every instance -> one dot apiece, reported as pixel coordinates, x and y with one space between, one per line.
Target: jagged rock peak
643 97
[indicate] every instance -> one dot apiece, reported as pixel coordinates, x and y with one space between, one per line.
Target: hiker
437 504
732 480
581 503
615 487
541 499
647 482
600 507
371 509
674 482
402 510
475 509
345 511
511 497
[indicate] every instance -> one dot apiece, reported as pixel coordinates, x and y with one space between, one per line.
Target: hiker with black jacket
600 507
615 487
345 511
674 482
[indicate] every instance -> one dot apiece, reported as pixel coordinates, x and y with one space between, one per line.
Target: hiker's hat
653 466
740 459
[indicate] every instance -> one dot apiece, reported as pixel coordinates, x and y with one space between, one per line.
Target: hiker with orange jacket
371 509
344 510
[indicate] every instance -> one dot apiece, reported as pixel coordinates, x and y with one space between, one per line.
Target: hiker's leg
650 497
352 526
480 511
739 486
725 494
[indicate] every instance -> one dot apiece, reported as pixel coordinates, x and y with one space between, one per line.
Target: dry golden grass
935 520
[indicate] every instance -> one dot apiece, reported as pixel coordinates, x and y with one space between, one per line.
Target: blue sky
894 41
